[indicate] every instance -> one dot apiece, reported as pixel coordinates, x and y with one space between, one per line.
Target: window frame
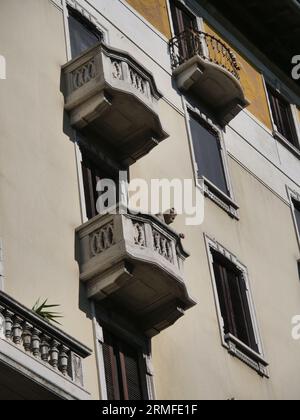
118 351
90 25
235 347
141 343
189 10
293 109
210 190
294 196
88 16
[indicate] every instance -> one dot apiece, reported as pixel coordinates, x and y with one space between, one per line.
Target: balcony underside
15 386
23 377
120 124
215 86
154 298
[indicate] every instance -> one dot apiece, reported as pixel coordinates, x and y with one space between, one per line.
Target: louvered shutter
111 371
134 385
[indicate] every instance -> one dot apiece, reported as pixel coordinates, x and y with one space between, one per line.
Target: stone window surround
87 15
294 195
225 202
278 136
122 332
235 347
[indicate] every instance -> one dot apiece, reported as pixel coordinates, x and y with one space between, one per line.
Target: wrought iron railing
191 43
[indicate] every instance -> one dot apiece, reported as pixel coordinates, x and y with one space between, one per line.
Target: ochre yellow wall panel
156 12
253 85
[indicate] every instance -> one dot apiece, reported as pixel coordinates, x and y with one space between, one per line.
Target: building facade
155 89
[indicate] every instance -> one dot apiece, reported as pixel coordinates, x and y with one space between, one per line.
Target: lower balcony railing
50 354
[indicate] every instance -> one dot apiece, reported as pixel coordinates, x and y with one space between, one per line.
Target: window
92 173
294 198
296 205
233 300
283 116
83 34
182 19
124 370
208 154
184 24
235 308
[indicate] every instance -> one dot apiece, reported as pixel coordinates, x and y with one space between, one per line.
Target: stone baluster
63 359
35 342
2 322
17 330
45 348
54 354
8 324
26 336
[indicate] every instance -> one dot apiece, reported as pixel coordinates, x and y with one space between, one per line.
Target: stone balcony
37 360
135 263
113 101
207 69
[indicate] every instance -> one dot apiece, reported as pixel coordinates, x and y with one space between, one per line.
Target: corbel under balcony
135 263
37 360
206 68
113 100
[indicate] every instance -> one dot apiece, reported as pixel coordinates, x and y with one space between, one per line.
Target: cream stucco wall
189 361
39 204
40 209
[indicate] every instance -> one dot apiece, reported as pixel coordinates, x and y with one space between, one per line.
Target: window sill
293 149
218 197
239 350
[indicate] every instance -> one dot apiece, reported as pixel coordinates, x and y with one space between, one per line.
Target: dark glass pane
222 298
282 116
208 155
241 311
297 214
182 19
93 171
82 34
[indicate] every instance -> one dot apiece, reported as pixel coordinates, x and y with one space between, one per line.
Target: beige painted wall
253 85
39 210
156 12
39 204
189 361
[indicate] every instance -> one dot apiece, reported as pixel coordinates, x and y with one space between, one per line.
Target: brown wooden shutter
111 373
134 385
182 19
233 300
125 375
282 116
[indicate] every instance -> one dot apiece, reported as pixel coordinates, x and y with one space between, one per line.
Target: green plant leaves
43 311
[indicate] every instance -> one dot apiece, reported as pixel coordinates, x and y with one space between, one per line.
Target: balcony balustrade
37 350
207 69
135 262
113 100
